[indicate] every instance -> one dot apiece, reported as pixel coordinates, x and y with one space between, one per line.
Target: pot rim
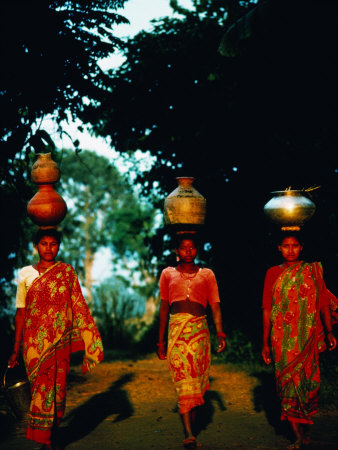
290 191
189 178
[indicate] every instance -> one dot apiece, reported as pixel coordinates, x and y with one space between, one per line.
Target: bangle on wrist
221 334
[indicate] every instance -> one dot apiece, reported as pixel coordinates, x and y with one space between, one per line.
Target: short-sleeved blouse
200 287
26 277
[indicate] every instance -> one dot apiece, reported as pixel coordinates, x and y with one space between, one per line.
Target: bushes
239 349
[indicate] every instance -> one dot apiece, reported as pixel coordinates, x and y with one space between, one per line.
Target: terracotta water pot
290 208
47 207
185 205
45 170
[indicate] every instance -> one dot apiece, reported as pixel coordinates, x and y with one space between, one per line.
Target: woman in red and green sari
185 291
296 303
52 321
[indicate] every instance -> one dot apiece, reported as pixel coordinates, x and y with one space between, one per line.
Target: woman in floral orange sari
52 321
295 304
185 291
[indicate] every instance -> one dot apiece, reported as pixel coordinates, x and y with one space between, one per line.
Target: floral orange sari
189 358
295 341
57 323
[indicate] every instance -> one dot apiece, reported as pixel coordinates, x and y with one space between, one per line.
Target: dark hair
52 232
184 236
290 233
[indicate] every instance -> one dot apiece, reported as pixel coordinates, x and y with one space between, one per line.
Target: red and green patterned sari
57 323
295 341
189 358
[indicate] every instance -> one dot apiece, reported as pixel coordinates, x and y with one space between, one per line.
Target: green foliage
50 50
104 211
239 349
51 53
243 126
328 387
114 302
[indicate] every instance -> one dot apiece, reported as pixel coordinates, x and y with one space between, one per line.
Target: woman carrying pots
295 304
185 292
52 321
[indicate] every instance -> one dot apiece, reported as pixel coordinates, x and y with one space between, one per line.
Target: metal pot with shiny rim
290 208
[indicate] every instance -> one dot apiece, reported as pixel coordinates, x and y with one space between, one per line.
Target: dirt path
132 405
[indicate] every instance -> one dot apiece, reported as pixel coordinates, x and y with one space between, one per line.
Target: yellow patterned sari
189 358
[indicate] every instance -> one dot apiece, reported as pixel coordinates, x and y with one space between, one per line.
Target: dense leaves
49 50
260 119
104 212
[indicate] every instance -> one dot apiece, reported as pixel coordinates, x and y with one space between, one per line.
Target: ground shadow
82 420
14 404
204 414
8 422
266 399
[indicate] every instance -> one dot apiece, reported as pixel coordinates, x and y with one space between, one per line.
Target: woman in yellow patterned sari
52 321
185 291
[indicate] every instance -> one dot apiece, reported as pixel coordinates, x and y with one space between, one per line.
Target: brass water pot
290 208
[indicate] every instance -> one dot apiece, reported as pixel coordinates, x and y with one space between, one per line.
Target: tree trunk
88 281
89 258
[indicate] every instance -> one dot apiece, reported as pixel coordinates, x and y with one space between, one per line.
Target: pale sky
139 13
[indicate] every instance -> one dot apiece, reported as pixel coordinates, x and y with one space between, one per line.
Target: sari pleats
294 338
48 401
189 358
57 323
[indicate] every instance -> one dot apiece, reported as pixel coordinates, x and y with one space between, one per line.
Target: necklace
187 275
40 268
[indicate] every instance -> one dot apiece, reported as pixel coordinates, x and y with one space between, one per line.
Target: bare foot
306 440
296 444
190 442
50 447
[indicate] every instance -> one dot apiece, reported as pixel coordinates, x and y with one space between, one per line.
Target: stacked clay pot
47 208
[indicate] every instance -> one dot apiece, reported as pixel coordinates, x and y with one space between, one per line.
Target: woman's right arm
164 314
266 305
266 352
19 322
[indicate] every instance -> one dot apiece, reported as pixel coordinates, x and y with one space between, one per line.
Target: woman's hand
13 360
221 344
161 350
266 354
332 341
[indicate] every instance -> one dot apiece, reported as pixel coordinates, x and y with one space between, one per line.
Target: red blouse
270 278
200 287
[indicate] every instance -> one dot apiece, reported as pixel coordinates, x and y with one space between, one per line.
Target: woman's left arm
217 316
326 319
325 313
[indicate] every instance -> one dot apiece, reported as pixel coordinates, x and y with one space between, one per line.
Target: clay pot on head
47 207
45 170
290 209
185 207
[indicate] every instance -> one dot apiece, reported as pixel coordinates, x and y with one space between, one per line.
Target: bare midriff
186 306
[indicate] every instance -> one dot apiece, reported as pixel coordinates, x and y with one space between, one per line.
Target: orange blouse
200 287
